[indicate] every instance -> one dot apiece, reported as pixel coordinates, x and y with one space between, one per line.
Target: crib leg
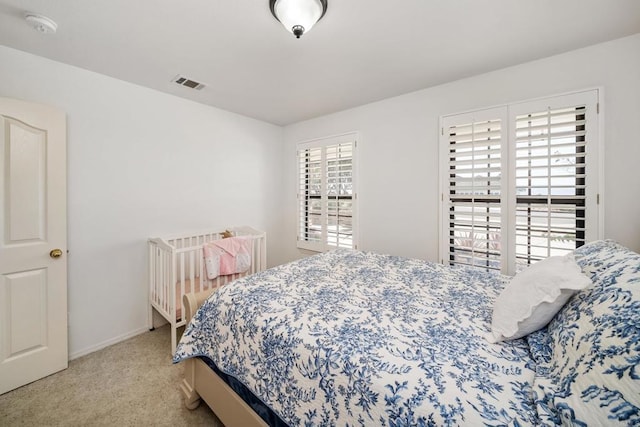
174 333
150 318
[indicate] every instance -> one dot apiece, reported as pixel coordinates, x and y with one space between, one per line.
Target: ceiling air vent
183 81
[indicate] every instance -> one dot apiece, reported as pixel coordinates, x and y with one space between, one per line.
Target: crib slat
181 284
167 275
192 267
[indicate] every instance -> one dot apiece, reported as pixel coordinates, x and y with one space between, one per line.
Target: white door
33 240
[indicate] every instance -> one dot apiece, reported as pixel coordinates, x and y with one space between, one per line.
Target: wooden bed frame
201 383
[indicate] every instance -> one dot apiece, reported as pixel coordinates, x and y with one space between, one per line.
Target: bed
358 338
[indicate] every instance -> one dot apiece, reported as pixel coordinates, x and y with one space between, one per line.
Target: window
326 193
520 182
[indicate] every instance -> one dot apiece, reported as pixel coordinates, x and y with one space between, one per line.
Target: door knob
56 253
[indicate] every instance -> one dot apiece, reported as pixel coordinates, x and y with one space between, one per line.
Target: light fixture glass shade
298 16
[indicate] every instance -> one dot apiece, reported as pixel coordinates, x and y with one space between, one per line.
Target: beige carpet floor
129 383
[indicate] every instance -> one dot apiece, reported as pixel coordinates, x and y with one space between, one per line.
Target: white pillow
534 296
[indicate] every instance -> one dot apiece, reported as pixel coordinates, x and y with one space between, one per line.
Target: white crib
176 267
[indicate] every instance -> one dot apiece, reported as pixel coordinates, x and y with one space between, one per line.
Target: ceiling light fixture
40 23
298 16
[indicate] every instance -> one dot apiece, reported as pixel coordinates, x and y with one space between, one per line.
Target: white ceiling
361 51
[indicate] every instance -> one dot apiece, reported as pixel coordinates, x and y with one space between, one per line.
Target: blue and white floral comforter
356 338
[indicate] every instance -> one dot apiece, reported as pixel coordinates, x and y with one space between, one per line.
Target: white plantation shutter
520 182
310 188
339 193
554 145
474 190
326 193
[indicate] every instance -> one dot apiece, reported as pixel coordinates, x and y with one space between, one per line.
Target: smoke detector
41 23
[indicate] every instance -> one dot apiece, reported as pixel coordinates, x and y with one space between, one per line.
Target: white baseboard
107 343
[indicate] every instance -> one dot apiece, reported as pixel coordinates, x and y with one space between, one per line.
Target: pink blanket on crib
227 256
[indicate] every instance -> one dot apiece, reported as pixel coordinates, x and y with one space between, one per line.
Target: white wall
143 163
398 177
140 164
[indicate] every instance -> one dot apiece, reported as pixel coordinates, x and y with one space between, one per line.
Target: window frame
508 113
324 244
